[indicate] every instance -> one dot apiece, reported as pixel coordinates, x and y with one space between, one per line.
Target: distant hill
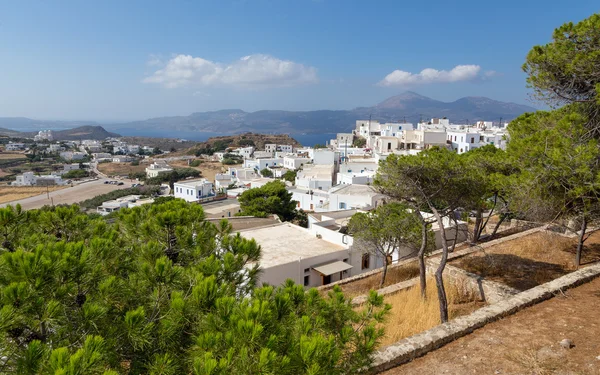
78 133
27 125
408 106
258 141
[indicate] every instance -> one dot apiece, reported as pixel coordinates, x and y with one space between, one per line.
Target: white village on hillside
331 184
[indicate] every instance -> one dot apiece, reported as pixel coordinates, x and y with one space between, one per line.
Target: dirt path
68 195
527 342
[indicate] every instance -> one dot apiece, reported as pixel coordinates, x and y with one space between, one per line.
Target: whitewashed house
293 252
156 168
193 190
315 177
14 146
294 161
346 197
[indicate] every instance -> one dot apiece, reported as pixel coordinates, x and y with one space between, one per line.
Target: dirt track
69 195
527 342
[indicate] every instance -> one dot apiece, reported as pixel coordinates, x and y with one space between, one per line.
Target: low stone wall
387 291
366 274
488 291
412 347
392 289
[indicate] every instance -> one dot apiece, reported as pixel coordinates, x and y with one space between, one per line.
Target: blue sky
125 60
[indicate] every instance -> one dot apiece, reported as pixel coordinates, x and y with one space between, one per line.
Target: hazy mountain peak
404 100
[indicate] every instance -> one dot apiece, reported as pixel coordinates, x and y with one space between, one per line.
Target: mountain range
409 106
78 133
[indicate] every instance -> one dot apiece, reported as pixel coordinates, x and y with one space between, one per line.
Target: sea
304 139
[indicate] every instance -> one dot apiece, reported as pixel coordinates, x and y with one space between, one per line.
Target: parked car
120 183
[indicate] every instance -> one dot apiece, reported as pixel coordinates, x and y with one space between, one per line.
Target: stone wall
412 347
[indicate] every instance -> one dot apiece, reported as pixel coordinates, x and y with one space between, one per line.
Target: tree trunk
482 226
476 230
580 242
455 234
439 273
421 255
502 218
384 273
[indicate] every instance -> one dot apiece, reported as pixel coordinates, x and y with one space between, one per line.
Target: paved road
69 195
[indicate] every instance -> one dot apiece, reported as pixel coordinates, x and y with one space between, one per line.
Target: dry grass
394 276
411 314
120 169
12 193
535 361
208 168
8 156
525 262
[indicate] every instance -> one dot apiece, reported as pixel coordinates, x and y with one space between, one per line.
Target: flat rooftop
193 183
354 189
220 208
285 243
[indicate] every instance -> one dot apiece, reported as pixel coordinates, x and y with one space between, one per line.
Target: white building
44 135
309 259
122 159
294 162
462 141
243 173
29 179
193 190
129 201
346 197
156 168
223 180
309 199
14 146
315 177
100 156
262 163
245 152
25 179
326 157
422 139
272 148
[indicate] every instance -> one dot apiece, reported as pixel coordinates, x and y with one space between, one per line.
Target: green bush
266 172
98 200
76 173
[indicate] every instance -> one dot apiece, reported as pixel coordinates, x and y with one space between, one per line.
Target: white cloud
249 71
429 75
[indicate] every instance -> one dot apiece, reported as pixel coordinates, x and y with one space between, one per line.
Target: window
366 261
311 206
472 139
298 204
306 270
306 280
342 205
345 260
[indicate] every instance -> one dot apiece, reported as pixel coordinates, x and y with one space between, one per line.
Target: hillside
78 133
408 106
258 141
